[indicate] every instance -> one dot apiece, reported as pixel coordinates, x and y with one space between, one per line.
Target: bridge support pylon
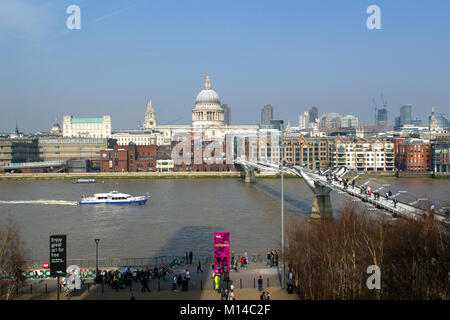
321 207
250 175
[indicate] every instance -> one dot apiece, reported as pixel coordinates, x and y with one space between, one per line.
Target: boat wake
45 202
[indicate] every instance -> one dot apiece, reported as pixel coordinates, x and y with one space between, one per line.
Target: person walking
187 257
260 284
145 285
190 257
199 267
174 283
217 282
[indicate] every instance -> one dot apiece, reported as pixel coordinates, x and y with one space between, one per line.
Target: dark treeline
329 259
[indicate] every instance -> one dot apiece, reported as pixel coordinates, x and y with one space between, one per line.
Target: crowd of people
180 282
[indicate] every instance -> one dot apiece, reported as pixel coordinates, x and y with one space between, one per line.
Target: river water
181 214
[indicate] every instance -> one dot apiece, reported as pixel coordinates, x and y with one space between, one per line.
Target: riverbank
179 175
130 175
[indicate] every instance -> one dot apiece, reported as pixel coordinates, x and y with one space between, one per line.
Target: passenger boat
85 181
113 197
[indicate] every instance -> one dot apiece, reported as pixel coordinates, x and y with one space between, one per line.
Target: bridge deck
401 209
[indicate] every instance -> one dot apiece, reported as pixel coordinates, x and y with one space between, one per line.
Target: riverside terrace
201 284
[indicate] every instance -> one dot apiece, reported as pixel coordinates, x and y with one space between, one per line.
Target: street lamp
96 256
282 207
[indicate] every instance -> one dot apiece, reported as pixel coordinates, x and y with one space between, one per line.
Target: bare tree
330 258
11 258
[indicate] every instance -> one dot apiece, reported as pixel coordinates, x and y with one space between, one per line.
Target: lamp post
96 256
282 207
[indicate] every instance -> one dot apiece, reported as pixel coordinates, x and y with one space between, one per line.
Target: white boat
85 181
113 197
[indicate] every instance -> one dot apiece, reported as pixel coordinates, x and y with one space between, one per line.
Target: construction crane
384 102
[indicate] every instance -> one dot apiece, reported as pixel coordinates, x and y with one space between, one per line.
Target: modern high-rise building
266 114
227 114
382 118
330 121
308 118
313 114
405 114
350 121
303 120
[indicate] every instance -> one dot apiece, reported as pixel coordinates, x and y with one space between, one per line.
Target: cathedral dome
207 95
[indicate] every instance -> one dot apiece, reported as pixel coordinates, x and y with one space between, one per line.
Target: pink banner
221 252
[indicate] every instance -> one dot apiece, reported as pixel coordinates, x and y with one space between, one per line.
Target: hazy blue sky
291 54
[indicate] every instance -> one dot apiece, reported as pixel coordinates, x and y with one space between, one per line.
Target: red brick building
208 157
142 158
412 155
131 158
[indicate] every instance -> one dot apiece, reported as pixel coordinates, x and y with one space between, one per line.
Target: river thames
181 214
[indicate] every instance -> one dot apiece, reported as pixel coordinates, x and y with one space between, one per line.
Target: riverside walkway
201 287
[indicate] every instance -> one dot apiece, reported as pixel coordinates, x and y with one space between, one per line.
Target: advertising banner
58 255
221 252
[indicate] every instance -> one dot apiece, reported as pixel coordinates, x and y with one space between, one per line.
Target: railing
138 262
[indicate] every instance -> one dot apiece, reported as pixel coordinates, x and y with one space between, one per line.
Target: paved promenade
200 287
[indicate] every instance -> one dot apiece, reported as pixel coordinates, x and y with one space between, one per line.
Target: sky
290 54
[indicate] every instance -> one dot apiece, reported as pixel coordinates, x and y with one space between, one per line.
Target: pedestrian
199 267
242 261
267 295
174 283
262 296
225 295
190 257
179 280
276 258
217 282
260 283
145 285
185 284
232 297
268 258
188 275
187 257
